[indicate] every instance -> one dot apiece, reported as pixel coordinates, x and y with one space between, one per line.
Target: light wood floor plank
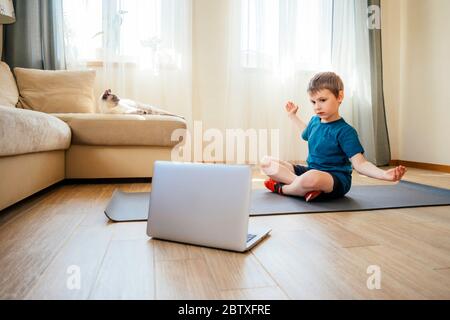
403 276
127 272
438 214
166 250
306 268
280 222
96 207
29 245
232 270
84 251
336 234
394 236
187 279
129 231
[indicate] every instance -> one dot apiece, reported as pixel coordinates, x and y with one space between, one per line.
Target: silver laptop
202 204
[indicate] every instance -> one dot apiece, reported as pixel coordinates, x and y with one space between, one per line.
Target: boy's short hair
326 80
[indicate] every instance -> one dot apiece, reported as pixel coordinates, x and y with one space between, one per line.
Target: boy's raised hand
395 174
291 108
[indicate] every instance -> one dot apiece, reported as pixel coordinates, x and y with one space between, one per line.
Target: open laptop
202 204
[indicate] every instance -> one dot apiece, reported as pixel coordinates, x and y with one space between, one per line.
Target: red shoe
312 195
274 186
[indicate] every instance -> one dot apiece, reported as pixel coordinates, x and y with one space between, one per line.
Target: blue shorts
341 182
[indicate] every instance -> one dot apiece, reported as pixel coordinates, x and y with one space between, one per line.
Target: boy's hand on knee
291 109
395 174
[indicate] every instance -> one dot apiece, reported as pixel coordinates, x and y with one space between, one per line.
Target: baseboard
106 181
421 165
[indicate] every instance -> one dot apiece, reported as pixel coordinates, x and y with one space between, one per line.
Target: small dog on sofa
111 103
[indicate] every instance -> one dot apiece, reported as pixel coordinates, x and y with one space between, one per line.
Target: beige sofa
39 149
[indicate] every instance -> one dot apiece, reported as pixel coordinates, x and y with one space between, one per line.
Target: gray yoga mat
134 206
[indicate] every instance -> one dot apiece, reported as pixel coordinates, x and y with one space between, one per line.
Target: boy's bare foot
312 195
395 174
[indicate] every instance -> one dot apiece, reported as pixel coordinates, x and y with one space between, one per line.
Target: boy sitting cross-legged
333 148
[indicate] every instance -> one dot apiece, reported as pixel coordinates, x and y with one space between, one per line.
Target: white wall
416 55
391 19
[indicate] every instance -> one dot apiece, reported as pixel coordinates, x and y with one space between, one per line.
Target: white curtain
140 48
351 59
275 47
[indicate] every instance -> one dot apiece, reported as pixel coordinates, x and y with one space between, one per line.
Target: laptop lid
202 204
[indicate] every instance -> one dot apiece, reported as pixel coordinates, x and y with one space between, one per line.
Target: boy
333 148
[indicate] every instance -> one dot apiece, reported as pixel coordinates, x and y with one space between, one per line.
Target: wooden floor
308 256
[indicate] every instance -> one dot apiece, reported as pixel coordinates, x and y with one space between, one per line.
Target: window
83 30
286 34
134 31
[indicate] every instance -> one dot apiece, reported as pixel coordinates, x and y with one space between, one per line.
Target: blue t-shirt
331 145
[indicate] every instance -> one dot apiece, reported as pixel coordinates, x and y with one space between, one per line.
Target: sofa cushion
9 95
122 130
26 131
56 91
